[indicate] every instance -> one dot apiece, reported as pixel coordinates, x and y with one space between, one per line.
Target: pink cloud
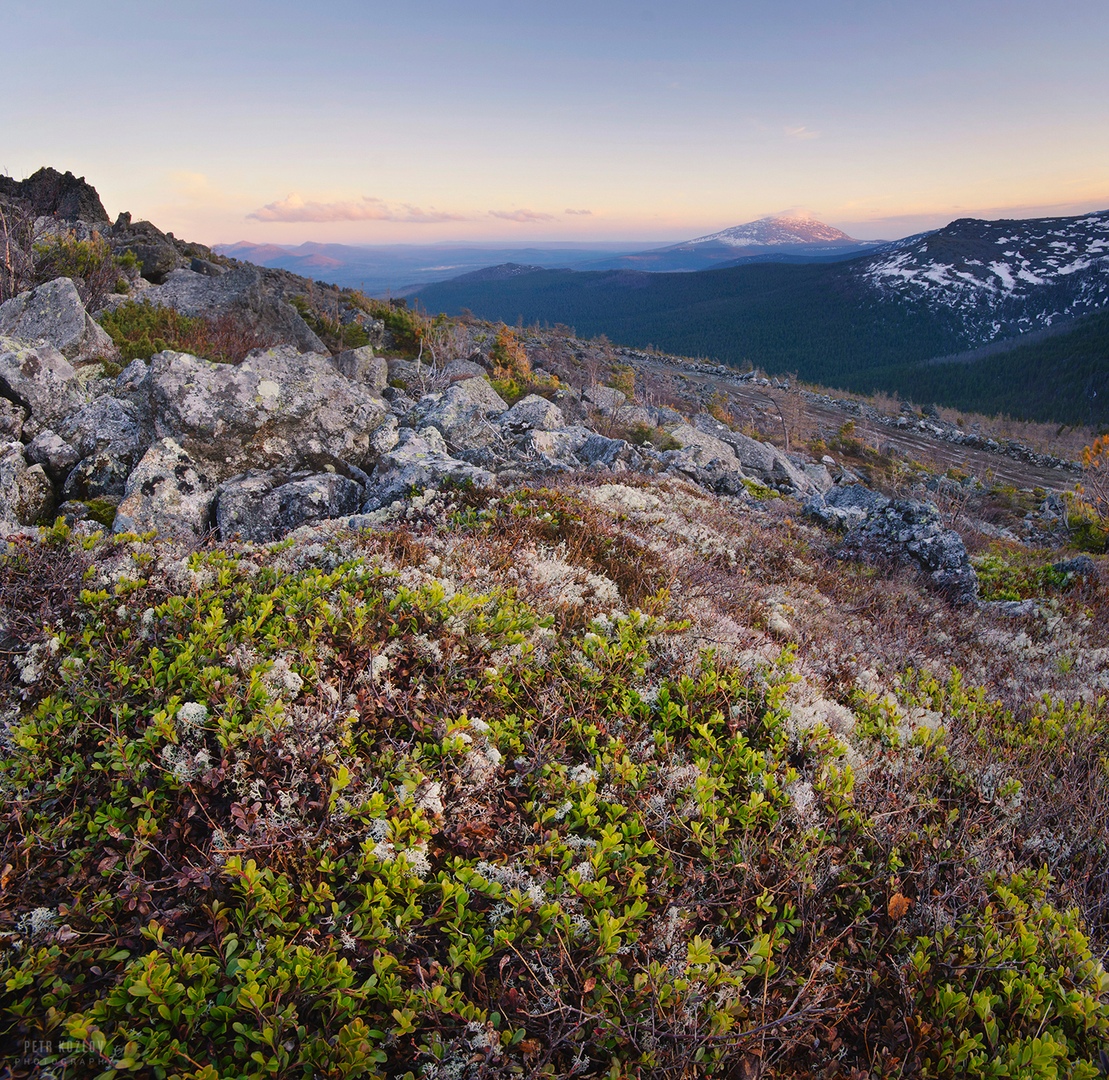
523 216
293 208
580 213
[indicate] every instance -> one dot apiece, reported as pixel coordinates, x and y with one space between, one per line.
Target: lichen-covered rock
758 460
702 448
261 507
26 494
168 491
12 417
845 505
277 409
361 366
157 254
462 414
606 398
600 450
420 460
41 380
110 434
53 314
908 531
554 451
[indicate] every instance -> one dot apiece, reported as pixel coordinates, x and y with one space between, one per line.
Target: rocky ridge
294 434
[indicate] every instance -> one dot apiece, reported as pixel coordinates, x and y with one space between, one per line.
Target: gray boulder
109 435
262 507
240 292
598 450
412 375
361 366
157 254
41 380
420 460
26 494
632 415
100 475
553 451
906 531
168 491
701 448
606 398
275 409
462 414
459 369
52 314
532 413
53 453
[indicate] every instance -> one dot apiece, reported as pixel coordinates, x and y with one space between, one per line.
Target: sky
429 121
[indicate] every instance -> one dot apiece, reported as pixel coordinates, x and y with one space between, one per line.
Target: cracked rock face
264 506
240 292
26 494
419 460
275 409
40 380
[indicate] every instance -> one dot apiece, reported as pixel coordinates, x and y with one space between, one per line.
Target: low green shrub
89 263
1020 576
141 329
336 335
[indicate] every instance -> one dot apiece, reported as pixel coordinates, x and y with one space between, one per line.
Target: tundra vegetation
520 787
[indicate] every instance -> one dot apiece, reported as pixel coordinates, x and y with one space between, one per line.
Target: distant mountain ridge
866 323
398 269
778 238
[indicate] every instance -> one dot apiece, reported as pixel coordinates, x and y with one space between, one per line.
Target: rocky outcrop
532 413
419 460
463 413
277 409
845 505
49 193
763 462
362 367
26 494
156 251
53 314
905 531
240 292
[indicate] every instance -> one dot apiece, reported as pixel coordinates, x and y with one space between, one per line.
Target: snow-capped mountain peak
779 230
